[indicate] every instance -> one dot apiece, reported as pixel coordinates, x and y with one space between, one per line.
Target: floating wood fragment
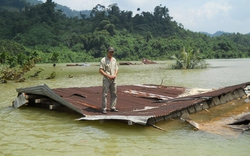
186 117
243 123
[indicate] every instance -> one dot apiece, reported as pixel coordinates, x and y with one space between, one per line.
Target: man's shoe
114 110
104 111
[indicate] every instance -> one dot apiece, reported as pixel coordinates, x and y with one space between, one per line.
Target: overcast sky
196 15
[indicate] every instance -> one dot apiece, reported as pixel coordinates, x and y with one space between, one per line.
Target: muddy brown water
36 131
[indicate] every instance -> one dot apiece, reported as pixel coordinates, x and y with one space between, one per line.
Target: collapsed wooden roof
141 104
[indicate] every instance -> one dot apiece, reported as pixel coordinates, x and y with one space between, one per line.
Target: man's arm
116 72
111 77
101 71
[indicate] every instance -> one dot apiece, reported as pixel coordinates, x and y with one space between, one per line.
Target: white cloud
200 18
213 9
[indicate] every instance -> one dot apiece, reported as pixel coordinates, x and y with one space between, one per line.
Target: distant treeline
41 30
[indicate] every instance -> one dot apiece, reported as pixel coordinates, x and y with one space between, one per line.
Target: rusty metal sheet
133 100
136 103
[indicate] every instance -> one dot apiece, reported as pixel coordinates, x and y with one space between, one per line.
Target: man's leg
105 89
113 95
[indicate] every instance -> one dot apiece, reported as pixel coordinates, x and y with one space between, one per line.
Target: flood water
37 131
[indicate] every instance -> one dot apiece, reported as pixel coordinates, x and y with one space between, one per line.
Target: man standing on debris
109 69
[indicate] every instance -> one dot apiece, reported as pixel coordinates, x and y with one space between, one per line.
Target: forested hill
19 5
45 31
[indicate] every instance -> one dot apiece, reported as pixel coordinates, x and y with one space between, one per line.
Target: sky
209 16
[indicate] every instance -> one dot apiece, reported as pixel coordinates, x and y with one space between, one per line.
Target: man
109 69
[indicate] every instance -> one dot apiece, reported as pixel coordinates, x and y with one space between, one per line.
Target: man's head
110 52
111 49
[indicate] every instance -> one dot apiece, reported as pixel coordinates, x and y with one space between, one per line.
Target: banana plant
188 60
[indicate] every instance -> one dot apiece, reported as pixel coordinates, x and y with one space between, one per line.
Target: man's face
110 54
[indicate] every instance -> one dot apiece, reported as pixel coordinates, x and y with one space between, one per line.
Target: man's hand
112 77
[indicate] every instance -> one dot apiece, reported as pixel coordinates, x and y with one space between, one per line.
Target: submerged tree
188 60
17 73
52 75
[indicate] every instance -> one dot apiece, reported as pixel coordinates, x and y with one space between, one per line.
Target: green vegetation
37 72
188 60
17 73
41 31
52 75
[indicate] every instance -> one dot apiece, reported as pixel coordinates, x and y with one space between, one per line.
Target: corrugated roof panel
137 103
